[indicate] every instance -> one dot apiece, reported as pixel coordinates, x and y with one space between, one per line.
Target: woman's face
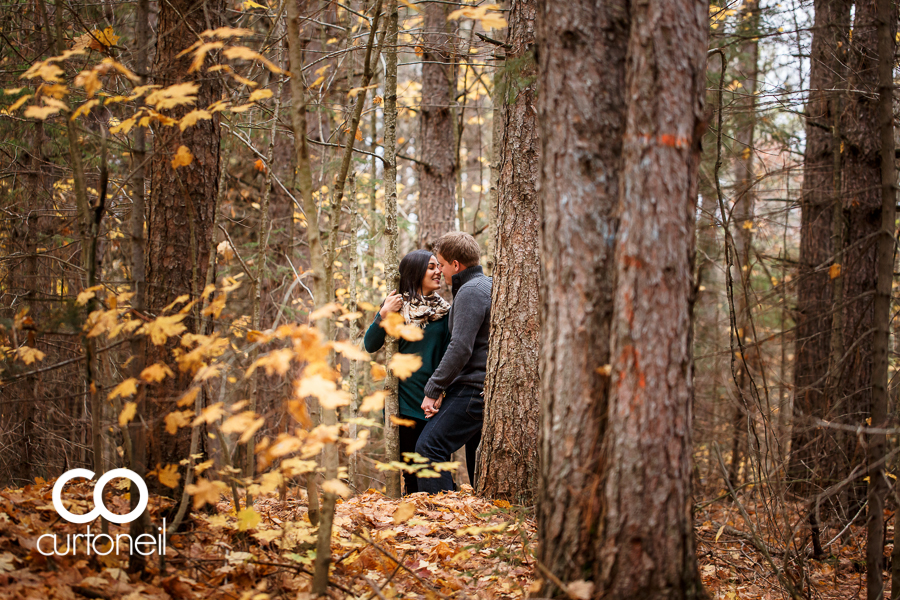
432 279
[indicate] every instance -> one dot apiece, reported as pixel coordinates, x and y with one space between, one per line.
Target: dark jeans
457 423
408 438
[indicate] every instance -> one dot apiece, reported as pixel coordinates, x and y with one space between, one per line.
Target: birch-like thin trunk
392 237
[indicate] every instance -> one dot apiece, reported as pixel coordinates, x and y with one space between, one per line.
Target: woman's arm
374 339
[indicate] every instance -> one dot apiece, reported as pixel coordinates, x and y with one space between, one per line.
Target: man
454 395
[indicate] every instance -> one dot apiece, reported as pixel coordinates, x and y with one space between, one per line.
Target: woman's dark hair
413 268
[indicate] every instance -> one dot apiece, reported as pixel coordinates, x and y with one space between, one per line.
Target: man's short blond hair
458 245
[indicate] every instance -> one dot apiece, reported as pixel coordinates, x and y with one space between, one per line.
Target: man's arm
468 315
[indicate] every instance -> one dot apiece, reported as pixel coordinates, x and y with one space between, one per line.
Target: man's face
448 269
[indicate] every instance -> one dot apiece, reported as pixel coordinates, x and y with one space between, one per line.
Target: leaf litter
453 545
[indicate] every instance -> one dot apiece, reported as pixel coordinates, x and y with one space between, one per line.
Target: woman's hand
391 304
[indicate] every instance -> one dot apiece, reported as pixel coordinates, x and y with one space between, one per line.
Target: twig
782 577
376 591
553 578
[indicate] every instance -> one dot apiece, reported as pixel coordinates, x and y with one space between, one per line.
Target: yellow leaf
162 328
87 294
260 95
125 389
409 4
205 491
397 327
325 312
402 422
210 414
189 397
354 91
404 365
156 373
605 370
177 419
29 355
248 518
245 53
351 351
338 487
18 103
323 389
834 271
374 401
41 112
719 534
168 475
226 32
358 444
84 109
183 157
12 91
200 54
242 108
277 361
174 95
248 4
125 126
236 423
404 512
251 430
378 372
107 37
127 414
46 71
268 535
318 81
192 117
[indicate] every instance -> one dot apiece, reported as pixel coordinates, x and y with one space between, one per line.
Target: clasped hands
431 406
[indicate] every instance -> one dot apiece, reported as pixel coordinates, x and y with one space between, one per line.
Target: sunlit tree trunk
508 461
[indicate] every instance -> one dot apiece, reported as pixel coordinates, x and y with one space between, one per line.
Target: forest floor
454 545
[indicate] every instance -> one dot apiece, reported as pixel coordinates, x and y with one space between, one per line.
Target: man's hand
431 406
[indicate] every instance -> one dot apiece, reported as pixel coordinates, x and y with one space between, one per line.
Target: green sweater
430 348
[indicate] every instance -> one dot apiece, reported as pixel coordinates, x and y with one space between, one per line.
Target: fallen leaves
182 158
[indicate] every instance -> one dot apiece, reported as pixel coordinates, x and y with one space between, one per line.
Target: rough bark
616 387
861 181
885 28
582 124
809 446
181 207
392 236
647 534
508 461
437 171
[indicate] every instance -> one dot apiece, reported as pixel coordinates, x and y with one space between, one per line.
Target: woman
415 300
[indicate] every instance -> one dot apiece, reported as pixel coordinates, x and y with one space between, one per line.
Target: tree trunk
861 181
180 216
392 237
742 226
508 461
885 27
646 539
437 173
616 387
809 446
582 125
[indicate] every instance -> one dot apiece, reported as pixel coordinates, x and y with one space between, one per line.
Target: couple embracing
445 397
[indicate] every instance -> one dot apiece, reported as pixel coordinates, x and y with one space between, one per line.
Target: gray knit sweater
465 360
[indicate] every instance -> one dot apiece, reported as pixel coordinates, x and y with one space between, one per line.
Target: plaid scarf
424 309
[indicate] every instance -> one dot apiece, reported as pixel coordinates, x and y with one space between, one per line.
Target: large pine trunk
582 125
437 171
508 460
812 397
615 479
861 196
181 207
